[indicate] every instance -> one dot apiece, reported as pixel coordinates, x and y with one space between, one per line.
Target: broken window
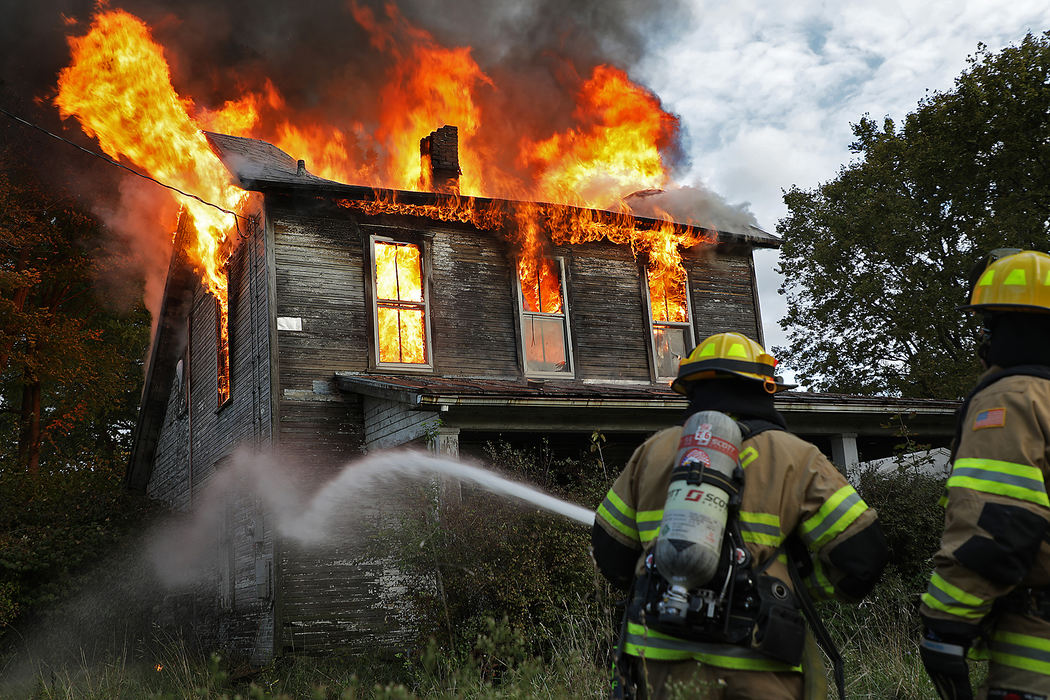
672 329
544 323
400 303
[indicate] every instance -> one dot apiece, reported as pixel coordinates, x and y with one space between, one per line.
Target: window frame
653 323
424 265
570 371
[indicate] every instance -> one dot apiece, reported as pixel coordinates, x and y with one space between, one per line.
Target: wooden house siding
392 423
323 279
722 293
194 442
326 594
607 314
472 302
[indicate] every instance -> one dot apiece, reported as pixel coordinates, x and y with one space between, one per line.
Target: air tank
689 545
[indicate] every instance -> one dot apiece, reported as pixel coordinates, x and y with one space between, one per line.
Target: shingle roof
256 163
259 165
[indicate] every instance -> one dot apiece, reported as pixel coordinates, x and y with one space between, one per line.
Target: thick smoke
694 204
324 65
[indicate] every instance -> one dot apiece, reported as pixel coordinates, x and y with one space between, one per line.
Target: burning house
363 319
318 320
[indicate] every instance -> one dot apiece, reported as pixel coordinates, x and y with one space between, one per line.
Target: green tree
70 377
70 368
876 260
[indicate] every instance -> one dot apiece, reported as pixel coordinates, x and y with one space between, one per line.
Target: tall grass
497 666
877 640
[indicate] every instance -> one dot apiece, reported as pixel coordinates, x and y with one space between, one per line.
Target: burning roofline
260 166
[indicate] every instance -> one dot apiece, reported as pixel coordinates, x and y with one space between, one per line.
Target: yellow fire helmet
729 354
1019 281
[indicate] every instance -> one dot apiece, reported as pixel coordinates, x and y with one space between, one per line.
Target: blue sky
767 91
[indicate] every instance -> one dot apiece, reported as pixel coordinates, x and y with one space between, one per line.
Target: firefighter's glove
944 657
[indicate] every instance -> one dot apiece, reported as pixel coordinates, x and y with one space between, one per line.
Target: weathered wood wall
329 597
323 278
723 292
199 436
325 593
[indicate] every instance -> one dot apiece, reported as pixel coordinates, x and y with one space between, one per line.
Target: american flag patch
992 418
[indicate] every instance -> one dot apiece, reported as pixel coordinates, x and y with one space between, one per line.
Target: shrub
478 556
53 526
907 503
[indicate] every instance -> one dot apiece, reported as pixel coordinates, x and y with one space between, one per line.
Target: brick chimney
439 153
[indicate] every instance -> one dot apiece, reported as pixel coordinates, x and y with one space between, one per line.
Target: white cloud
767 92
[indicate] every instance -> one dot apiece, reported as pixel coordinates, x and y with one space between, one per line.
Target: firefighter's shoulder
1007 402
781 446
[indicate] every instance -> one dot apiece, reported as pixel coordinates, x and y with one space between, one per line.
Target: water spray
180 553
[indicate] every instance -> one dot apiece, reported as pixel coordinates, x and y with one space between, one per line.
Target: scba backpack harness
699 582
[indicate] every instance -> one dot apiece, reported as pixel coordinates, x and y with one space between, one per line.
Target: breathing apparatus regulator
700 584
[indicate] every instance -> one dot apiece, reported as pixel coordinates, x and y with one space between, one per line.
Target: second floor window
400 304
670 321
544 322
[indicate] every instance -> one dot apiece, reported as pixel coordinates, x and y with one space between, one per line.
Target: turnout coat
994 558
789 488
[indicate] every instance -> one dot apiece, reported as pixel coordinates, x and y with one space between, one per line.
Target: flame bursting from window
399 303
119 87
540 285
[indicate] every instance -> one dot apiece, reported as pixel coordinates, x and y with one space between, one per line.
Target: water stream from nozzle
180 551
380 468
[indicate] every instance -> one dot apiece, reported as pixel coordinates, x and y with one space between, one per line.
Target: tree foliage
877 259
70 366
70 378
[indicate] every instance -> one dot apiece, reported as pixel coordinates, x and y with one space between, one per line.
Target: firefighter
990 588
794 502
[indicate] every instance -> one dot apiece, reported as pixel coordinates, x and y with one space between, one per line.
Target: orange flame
399 303
540 285
119 88
615 151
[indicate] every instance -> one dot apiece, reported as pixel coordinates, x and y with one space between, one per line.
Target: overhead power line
119 165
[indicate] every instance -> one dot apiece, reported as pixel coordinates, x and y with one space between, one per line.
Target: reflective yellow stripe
649 524
650 644
1021 481
747 456
620 504
1016 278
1021 651
618 515
756 517
615 523
761 528
819 583
949 598
837 513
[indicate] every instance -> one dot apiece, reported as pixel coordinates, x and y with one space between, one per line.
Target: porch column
444 442
844 451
